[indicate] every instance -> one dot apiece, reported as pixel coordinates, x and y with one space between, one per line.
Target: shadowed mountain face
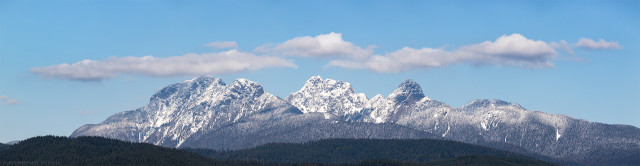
207 113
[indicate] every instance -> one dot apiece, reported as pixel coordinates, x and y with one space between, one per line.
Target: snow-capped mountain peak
196 86
316 78
407 92
178 111
245 88
317 84
328 95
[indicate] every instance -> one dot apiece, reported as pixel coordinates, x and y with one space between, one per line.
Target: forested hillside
357 150
55 150
3 146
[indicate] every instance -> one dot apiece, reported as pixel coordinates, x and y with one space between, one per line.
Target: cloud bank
189 64
507 50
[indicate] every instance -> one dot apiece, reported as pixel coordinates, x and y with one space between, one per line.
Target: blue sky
68 63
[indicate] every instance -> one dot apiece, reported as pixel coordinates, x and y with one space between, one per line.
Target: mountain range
206 113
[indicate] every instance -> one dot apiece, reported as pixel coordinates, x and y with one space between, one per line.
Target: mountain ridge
205 110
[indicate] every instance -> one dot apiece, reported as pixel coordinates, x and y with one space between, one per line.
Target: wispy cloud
222 44
599 45
564 46
9 101
231 61
321 46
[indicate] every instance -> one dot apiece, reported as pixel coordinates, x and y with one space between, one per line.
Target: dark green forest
55 150
3 146
357 150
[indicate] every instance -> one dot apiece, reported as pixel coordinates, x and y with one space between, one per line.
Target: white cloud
401 60
513 49
508 50
222 44
189 64
8 101
320 46
600 45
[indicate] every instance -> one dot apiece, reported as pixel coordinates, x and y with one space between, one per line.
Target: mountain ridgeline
206 113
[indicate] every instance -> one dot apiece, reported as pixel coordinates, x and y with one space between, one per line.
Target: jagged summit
329 96
407 92
189 88
316 83
339 99
245 87
315 78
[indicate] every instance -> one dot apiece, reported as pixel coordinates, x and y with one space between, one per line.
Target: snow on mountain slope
328 96
205 112
493 123
407 105
299 128
180 110
339 98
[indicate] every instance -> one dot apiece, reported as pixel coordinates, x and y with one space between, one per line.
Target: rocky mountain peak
328 95
407 92
189 88
245 88
316 83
